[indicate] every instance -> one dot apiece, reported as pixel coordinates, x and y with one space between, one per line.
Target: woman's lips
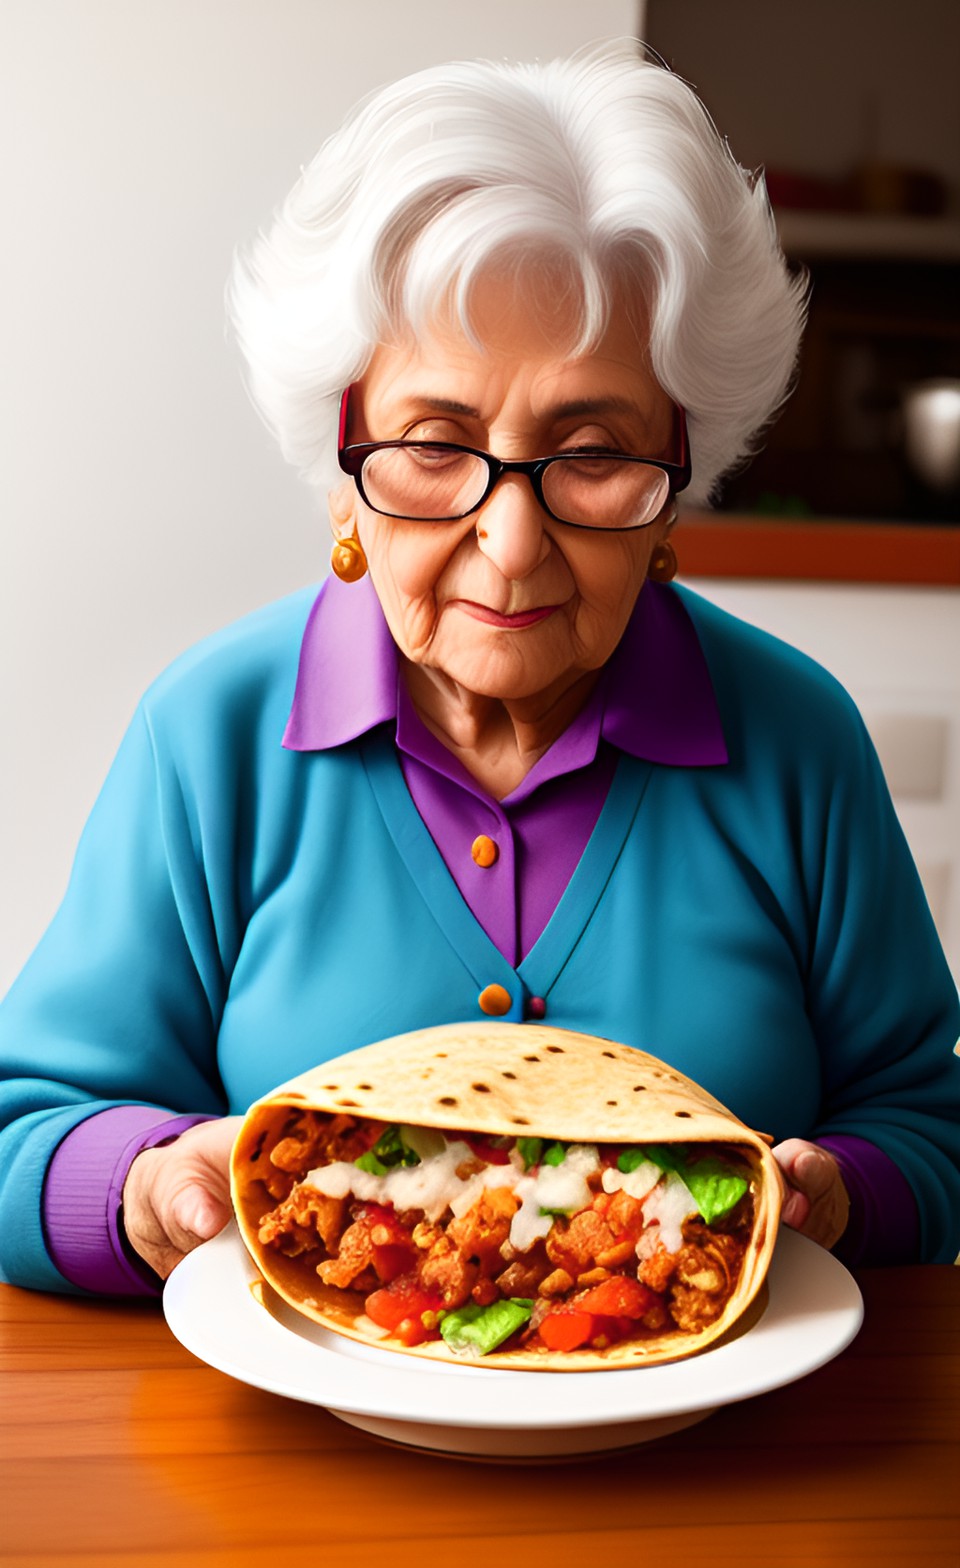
515 622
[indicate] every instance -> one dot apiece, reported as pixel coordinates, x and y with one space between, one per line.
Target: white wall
141 503
896 649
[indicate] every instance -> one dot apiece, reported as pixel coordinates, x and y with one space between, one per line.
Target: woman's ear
342 509
347 559
662 567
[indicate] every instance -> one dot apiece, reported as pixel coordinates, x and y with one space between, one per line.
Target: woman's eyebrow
444 405
577 407
574 408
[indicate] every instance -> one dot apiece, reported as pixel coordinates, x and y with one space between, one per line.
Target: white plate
214 1306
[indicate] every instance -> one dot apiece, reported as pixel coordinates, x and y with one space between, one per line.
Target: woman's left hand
815 1200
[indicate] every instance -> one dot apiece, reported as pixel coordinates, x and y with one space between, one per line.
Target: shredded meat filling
703 1278
303 1219
362 1246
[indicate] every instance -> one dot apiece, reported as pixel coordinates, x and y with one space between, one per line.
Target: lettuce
390 1150
714 1184
530 1151
475 1331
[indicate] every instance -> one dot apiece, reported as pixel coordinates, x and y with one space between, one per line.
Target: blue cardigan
239 912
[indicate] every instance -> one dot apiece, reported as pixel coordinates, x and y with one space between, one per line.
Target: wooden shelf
714 544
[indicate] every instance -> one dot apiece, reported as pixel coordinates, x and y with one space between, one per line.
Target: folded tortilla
505 1080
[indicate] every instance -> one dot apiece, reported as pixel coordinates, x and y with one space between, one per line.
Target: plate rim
339 1375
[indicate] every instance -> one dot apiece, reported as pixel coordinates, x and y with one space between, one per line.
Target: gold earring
663 564
347 559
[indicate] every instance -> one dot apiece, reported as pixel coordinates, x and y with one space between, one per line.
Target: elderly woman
497 765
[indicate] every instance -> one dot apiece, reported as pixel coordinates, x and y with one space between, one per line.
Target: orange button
484 851
495 1000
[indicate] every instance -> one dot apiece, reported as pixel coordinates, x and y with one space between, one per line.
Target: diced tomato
566 1330
372 1214
607 1313
410 1331
393 1260
608 1331
617 1297
399 1307
483 1148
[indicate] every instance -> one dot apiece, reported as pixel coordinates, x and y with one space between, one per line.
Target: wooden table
119 1448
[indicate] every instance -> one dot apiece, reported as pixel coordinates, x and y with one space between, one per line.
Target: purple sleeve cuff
82 1198
884 1224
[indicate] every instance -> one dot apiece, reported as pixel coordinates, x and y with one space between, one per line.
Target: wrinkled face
507 602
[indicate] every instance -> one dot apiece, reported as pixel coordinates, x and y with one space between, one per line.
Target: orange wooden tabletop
119 1448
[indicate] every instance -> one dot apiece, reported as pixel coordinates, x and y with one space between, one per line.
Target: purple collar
656 700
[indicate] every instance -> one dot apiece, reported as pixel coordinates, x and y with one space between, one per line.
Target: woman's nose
510 528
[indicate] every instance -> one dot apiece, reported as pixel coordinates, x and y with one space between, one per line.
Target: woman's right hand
178 1195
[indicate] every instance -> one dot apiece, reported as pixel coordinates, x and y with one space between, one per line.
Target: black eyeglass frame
352 458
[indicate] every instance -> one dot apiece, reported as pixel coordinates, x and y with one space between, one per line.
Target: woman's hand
177 1196
815 1200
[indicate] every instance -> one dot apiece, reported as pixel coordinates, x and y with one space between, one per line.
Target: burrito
517 1195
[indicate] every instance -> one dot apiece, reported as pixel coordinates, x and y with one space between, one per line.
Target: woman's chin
507 665
509 678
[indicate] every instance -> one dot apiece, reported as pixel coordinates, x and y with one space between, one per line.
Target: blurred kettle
931 432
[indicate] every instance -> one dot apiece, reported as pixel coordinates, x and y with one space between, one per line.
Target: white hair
605 163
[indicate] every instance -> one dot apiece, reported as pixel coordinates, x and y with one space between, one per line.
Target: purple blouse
511 860
349 682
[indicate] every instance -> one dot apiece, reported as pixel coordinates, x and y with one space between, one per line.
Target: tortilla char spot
447 1099
613 1102
354 1104
531 1058
611 1054
556 1049
364 1085
520 1121
639 1088
441 1056
481 1088
333 1087
508 1075
684 1114
296 1095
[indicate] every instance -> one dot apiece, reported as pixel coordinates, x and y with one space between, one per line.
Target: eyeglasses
441 481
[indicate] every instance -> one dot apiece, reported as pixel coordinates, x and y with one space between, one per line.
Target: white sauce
665 1196
670 1202
434 1187
551 1187
470 1191
637 1183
